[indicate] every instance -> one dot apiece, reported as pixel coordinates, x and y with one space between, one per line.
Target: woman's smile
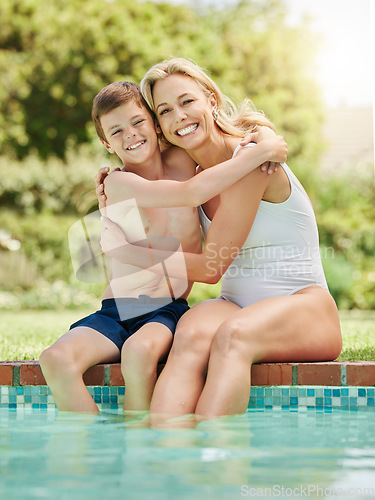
190 129
184 111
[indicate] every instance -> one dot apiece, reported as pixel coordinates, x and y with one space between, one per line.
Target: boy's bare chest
179 222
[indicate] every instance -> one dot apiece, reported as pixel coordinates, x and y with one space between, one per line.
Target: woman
263 240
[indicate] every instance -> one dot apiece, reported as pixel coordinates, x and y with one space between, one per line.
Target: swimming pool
267 453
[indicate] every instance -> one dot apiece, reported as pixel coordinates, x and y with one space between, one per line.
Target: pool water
262 454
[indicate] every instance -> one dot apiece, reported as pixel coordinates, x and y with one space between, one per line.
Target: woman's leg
140 356
300 327
181 382
64 363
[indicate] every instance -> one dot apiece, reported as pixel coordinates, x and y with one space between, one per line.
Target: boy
141 337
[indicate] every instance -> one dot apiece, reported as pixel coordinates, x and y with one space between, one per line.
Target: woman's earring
215 114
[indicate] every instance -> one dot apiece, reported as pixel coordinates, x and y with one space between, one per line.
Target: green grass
358 332
24 335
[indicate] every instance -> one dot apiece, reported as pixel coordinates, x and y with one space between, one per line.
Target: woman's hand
99 182
112 239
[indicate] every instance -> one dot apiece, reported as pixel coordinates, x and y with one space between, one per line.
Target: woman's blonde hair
230 119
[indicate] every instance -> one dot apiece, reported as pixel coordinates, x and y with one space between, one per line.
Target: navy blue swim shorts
109 320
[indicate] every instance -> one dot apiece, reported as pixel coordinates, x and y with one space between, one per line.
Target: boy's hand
99 182
265 133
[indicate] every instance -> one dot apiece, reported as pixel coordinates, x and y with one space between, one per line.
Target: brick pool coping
333 373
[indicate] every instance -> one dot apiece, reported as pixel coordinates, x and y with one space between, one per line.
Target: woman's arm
200 188
229 229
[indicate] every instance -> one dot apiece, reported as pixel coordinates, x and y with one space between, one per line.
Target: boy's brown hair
111 97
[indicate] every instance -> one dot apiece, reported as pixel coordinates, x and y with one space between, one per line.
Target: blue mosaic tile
252 401
263 397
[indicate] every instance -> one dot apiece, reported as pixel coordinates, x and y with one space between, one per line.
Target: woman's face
184 111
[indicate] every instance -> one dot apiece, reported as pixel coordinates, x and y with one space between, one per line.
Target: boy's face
130 133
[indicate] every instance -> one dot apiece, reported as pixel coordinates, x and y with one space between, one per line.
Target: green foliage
345 208
56 58
55 186
38 203
259 56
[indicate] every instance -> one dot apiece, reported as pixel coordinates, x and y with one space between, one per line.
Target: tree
55 58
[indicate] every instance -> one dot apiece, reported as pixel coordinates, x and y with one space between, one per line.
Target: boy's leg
64 363
140 356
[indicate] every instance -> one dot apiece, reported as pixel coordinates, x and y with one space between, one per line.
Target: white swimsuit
281 253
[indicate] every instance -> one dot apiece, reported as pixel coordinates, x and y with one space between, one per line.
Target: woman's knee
192 339
235 336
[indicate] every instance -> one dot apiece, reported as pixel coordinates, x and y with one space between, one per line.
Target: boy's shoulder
178 163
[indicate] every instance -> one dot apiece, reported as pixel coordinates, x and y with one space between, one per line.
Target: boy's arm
228 231
200 188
